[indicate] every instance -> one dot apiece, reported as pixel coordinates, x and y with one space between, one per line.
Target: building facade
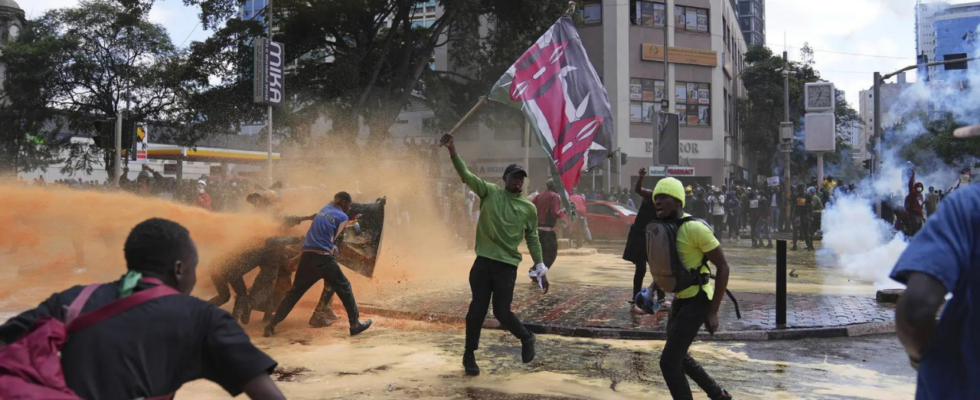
11 24
945 31
891 94
752 21
625 41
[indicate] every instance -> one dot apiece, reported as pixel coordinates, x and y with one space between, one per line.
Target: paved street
403 359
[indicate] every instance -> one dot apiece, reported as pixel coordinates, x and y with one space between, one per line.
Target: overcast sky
879 35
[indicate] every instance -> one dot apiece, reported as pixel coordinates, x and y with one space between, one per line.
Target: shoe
269 330
724 396
360 327
469 364
636 310
527 349
318 321
664 304
329 314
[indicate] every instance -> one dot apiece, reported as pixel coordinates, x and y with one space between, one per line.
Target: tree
932 145
362 60
761 113
102 61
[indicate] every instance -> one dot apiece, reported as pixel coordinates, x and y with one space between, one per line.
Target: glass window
625 210
591 12
649 13
600 209
645 98
691 19
693 103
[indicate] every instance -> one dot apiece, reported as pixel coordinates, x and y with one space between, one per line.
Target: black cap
515 168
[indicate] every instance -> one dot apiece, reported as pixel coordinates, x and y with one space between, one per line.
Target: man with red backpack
142 336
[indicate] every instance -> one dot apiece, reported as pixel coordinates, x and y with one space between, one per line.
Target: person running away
505 218
801 211
548 206
636 243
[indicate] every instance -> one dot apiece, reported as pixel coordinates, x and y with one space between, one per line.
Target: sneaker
527 349
269 330
360 327
636 310
664 304
724 396
469 364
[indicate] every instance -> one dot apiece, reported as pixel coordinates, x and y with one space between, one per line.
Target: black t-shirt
646 214
149 350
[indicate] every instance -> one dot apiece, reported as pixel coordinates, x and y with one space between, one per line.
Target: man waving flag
560 94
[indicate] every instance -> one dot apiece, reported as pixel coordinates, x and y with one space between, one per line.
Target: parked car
609 220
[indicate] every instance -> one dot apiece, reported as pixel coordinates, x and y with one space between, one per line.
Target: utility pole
786 132
268 32
876 93
117 157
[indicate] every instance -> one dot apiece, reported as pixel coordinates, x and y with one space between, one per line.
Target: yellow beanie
671 187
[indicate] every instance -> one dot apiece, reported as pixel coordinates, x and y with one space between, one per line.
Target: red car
609 220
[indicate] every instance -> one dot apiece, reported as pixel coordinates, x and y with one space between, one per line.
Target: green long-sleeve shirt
504 219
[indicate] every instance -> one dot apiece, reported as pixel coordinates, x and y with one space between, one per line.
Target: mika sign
269 85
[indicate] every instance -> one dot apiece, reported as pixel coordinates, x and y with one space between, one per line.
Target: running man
505 217
695 306
319 261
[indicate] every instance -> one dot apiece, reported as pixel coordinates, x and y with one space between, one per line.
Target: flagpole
527 142
483 100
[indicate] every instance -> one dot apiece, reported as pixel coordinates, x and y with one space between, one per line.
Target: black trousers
753 222
683 324
492 279
549 247
803 231
312 268
718 222
733 226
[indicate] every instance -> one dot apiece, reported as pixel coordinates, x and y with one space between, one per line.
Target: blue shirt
946 249
324 228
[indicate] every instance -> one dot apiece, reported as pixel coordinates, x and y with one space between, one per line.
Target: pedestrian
689 199
763 224
800 215
319 261
941 260
717 204
507 217
732 209
775 207
580 223
753 217
700 204
913 205
636 243
941 196
548 206
696 305
932 202
203 198
168 339
817 210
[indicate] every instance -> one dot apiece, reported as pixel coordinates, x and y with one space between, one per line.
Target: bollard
781 283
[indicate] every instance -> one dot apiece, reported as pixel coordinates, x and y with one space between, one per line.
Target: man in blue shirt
941 259
319 262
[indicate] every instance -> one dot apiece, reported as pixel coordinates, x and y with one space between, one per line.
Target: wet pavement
413 360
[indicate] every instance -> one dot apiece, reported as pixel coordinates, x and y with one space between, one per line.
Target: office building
945 31
752 21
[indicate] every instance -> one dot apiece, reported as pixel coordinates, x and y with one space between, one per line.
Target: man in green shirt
506 217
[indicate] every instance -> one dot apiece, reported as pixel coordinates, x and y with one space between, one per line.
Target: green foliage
933 140
762 111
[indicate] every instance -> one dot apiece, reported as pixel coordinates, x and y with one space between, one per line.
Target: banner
559 92
142 144
268 84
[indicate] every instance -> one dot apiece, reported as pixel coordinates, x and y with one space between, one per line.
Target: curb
854 330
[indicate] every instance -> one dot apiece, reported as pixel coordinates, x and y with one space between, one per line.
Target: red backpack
30 368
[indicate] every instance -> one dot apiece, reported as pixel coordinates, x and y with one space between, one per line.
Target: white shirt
717 204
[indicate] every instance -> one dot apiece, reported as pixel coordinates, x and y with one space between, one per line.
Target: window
691 19
625 210
645 98
648 13
591 12
693 103
601 209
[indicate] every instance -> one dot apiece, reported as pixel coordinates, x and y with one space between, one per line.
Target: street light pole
269 34
787 142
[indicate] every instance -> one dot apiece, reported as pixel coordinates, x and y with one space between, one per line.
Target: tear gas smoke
866 247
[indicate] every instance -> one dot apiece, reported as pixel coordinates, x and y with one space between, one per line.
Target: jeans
765 231
733 226
718 222
753 218
774 218
804 231
683 324
641 272
492 279
312 268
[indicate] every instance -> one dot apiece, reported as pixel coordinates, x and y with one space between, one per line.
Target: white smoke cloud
866 247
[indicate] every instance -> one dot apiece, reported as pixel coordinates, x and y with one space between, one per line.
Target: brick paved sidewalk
590 311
